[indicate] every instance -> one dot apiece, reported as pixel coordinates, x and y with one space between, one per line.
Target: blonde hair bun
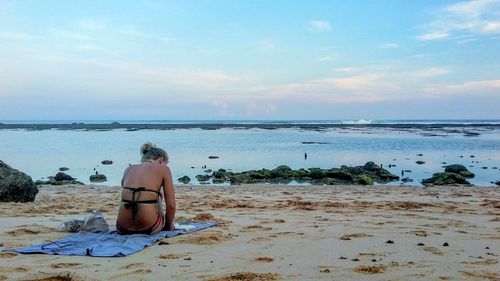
145 148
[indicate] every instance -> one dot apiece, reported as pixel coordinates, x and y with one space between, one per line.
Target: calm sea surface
40 153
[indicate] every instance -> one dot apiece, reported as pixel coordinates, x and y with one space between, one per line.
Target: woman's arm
168 191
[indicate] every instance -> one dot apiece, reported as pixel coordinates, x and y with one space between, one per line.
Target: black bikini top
135 199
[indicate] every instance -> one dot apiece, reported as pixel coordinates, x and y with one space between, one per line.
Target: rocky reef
60 178
455 174
363 175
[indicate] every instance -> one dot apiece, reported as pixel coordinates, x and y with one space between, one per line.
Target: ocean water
41 152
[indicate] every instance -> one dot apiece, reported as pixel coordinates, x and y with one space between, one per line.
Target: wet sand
273 232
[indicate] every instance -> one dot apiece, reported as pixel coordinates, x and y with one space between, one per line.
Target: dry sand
272 232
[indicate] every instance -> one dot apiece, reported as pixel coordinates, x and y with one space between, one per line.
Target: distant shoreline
215 126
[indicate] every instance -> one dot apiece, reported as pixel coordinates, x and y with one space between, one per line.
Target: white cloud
478 87
326 59
91 25
389 45
72 35
433 36
222 106
320 25
345 69
260 109
94 48
132 31
477 17
430 72
266 45
17 35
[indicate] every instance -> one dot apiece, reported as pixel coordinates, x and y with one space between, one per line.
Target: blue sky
249 59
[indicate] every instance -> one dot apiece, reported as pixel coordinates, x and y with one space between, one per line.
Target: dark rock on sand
16 186
184 179
106 162
497 183
420 162
98 178
213 157
62 169
459 169
60 176
445 179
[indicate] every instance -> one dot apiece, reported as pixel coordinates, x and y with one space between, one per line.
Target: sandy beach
276 232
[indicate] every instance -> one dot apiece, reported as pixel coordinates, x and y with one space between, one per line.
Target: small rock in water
355 259
445 244
407 179
420 244
444 163
484 168
98 178
472 156
420 162
343 258
62 169
184 179
389 242
106 162
420 154
60 176
213 157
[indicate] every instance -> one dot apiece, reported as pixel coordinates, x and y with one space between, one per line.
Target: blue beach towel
105 244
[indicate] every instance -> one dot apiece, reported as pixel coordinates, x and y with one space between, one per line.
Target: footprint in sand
253 228
264 259
371 269
239 276
7 255
32 230
434 250
66 265
354 235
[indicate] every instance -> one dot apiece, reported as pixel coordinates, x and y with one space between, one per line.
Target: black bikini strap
135 200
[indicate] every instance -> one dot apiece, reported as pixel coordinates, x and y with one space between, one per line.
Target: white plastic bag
93 222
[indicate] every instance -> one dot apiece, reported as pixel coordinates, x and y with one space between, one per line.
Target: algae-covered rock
184 179
98 178
445 179
60 176
459 169
371 166
363 179
203 177
282 171
316 173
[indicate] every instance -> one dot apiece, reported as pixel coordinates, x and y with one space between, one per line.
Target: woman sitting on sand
140 210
